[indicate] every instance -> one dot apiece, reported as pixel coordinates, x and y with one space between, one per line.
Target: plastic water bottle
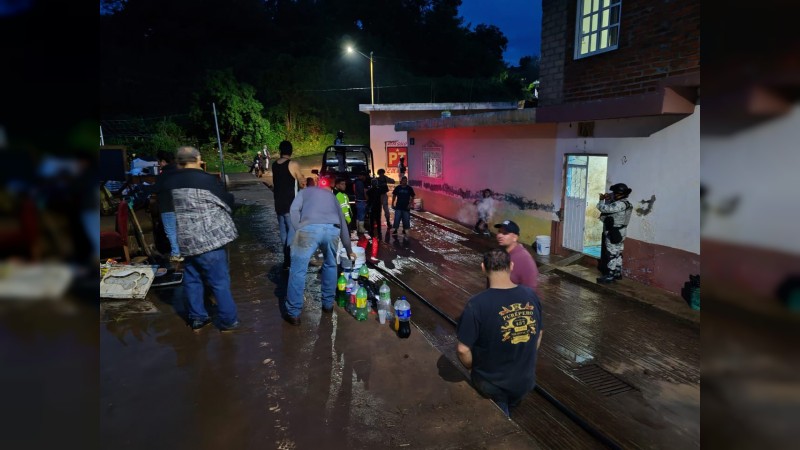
341 291
403 317
361 304
350 292
385 300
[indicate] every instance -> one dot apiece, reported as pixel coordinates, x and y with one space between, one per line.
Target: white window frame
432 158
600 25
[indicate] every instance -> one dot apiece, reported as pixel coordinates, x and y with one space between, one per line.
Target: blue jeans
287 231
361 210
170 229
307 240
402 214
211 267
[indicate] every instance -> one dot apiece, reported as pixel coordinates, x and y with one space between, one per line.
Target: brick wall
658 39
554 43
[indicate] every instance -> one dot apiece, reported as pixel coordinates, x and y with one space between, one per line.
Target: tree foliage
276 69
239 114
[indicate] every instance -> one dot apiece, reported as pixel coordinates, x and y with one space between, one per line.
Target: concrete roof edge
513 117
453 106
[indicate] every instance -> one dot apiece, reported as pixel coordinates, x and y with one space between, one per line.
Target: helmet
621 189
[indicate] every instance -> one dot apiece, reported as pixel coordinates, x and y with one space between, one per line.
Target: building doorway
585 179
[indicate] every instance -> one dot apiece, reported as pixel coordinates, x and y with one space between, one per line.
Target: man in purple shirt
524 269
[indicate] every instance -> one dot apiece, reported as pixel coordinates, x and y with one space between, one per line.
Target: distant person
401 166
203 211
525 271
383 184
318 219
286 180
402 198
166 161
339 138
360 190
265 157
255 165
484 205
374 205
499 334
615 213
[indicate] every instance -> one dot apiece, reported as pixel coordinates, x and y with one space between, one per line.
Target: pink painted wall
516 162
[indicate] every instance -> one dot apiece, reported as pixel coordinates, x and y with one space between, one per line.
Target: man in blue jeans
203 212
402 198
319 223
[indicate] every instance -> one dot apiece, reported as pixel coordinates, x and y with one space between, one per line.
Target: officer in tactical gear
615 212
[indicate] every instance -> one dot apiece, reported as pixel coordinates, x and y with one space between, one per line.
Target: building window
597 28
433 162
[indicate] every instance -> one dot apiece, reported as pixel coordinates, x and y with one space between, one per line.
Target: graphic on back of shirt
519 323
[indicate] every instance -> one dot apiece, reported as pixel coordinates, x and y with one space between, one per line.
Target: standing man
524 271
360 189
318 219
342 198
402 197
499 334
401 166
165 207
286 180
339 138
383 184
203 211
615 212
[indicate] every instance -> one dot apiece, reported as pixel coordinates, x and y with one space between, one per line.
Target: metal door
575 201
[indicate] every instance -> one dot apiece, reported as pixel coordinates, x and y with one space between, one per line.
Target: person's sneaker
197 324
176 258
229 327
404 231
394 231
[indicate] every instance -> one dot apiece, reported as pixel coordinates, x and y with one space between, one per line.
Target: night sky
519 20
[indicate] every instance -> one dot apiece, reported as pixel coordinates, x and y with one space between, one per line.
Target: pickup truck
347 161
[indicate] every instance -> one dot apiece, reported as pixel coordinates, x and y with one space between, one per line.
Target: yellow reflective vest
344 202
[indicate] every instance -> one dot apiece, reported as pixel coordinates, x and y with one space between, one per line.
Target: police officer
615 212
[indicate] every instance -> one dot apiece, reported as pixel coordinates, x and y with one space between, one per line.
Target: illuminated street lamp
350 49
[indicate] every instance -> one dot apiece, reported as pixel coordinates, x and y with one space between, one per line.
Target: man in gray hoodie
319 223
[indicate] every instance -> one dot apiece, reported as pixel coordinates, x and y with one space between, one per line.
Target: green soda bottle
341 291
361 304
363 272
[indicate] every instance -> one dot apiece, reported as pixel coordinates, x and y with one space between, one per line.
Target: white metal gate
575 201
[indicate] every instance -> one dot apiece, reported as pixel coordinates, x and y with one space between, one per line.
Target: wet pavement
336 383
331 383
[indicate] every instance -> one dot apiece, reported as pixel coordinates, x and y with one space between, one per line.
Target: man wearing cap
319 223
524 270
615 212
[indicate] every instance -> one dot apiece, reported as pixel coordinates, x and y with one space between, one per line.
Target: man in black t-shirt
402 198
499 334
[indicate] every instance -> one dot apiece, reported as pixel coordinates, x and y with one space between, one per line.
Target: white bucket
361 257
542 245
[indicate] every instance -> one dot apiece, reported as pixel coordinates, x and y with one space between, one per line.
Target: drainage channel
566 411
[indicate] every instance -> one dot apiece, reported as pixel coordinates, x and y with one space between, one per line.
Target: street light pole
371 80
371 73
